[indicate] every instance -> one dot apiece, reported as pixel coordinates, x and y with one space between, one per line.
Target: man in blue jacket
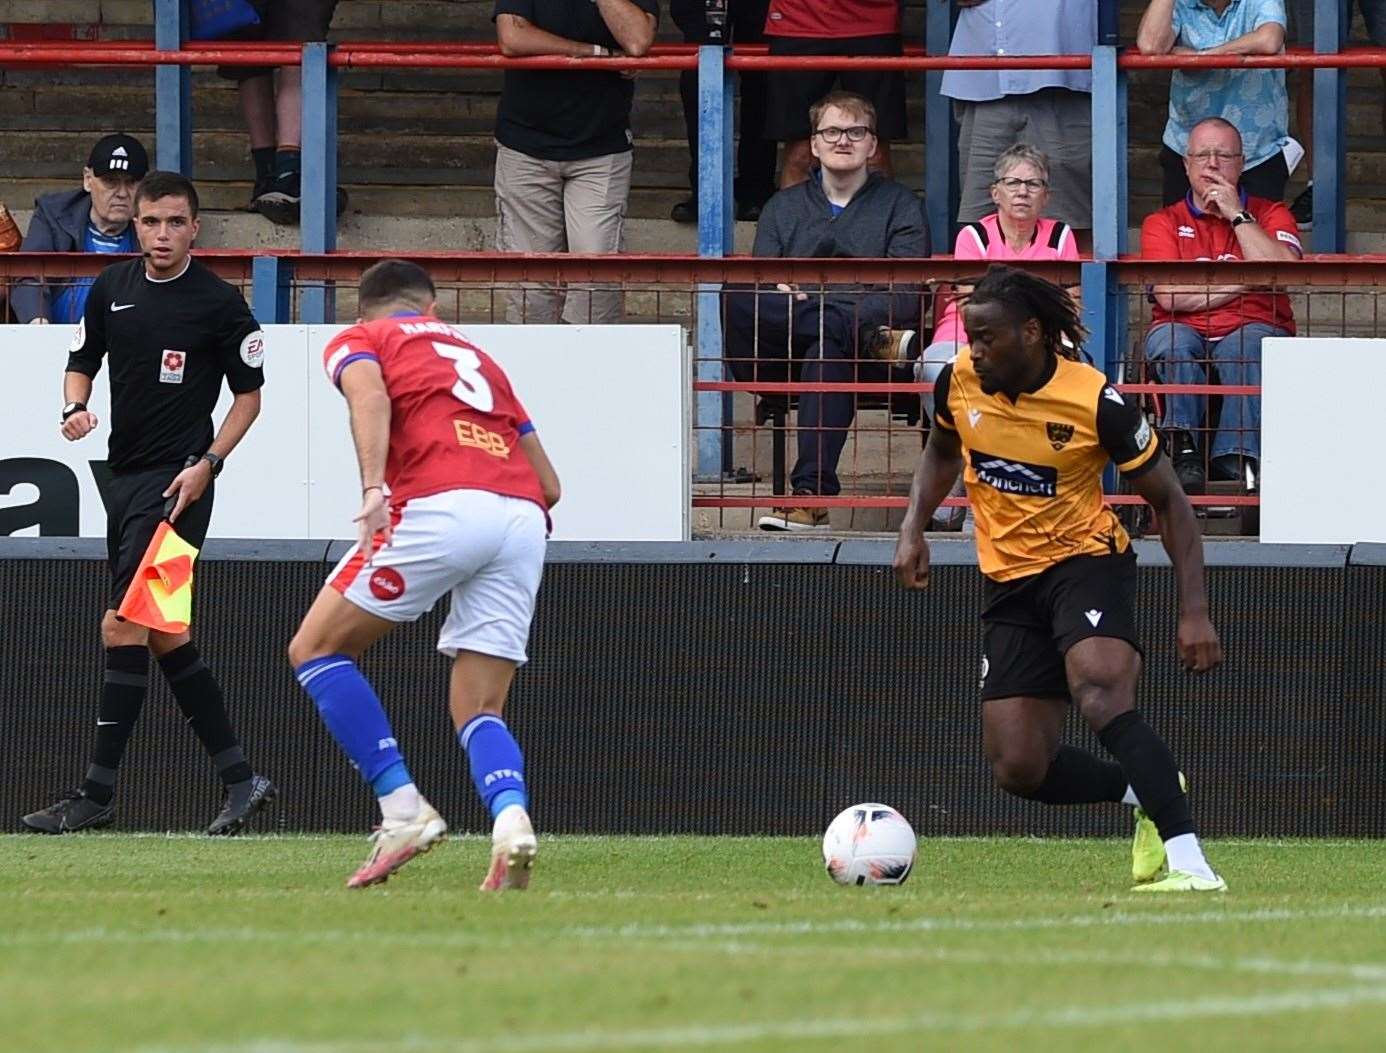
832 335
93 219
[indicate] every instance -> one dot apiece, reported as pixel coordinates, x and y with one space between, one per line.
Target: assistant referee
172 330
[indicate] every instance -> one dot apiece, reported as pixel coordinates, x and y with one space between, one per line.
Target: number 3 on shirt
471 386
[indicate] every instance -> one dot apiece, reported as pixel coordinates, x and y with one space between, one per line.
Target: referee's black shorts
1028 625
134 506
791 92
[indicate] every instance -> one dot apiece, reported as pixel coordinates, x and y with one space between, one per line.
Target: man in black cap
93 219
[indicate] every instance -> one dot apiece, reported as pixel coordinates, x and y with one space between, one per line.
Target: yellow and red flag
160 597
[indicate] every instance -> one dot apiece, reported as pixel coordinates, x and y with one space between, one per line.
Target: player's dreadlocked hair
1024 296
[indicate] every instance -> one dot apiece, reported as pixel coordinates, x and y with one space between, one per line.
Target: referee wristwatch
1242 217
73 407
215 461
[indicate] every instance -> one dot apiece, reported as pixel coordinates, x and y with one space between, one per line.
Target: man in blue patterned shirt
1253 100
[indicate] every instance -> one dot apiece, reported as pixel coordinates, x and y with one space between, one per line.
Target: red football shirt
833 19
454 420
1182 231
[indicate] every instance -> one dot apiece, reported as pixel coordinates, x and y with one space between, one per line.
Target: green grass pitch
146 944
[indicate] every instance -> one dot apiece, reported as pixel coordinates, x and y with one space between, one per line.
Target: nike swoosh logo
121 306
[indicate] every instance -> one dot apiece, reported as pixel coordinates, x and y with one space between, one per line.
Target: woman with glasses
1017 230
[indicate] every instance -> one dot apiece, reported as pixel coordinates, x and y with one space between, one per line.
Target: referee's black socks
122 696
1151 771
199 697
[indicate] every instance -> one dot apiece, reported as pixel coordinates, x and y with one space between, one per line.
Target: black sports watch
73 407
1242 217
215 461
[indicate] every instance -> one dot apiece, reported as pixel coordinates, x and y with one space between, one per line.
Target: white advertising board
1318 428
610 404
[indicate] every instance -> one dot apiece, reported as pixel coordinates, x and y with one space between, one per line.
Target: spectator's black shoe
1302 208
1188 462
1235 467
748 211
262 186
243 800
281 204
895 346
73 812
686 211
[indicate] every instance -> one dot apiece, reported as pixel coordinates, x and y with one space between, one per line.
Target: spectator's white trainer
396 841
513 848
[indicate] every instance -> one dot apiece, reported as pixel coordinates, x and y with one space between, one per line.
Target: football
869 844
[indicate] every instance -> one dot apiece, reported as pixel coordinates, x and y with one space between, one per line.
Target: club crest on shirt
171 367
1059 434
79 337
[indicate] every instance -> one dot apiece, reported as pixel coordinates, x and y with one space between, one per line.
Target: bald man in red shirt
1203 335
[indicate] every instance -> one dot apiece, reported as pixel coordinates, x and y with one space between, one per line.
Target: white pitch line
691 932
1061 1018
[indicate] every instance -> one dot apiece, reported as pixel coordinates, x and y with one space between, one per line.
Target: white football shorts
488 550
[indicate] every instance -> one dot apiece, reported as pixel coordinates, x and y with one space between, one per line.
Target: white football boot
513 848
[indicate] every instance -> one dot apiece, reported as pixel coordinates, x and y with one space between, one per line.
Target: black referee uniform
168 345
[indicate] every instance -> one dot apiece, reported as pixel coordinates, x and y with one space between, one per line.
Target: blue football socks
498 769
356 719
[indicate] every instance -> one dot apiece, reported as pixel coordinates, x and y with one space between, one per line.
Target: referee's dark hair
1024 296
166 184
395 281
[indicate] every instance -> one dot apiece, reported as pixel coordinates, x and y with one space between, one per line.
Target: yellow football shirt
1033 466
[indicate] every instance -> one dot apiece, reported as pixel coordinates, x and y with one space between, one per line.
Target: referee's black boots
243 800
73 812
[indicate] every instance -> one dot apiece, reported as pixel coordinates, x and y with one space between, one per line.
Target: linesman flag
160 597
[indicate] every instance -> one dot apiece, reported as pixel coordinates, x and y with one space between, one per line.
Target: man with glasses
836 334
1253 100
93 219
1203 335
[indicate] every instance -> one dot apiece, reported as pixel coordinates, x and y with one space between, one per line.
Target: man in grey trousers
563 143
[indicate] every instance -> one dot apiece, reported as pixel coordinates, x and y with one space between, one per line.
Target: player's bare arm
1199 648
533 450
77 388
192 482
933 478
368 401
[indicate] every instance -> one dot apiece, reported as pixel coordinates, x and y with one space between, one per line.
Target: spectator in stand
1050 108
93 219
755 154
832 27
272 105
1017 230
1253 100
1301 30
563 143
837 335
1213 335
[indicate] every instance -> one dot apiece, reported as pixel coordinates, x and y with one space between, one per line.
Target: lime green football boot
1147 850
1181 881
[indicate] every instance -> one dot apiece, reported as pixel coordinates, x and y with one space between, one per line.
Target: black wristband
215 461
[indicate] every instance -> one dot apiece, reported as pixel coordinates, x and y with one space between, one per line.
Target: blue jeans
1182 355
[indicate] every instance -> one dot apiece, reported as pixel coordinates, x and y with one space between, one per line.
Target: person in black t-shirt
171 330
563 143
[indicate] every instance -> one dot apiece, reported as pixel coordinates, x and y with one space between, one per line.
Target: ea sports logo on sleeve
386 584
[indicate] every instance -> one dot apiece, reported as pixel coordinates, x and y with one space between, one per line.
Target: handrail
349 55
682 269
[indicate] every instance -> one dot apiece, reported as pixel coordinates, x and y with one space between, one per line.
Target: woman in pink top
1015 231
